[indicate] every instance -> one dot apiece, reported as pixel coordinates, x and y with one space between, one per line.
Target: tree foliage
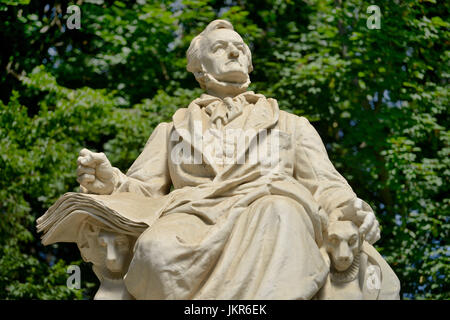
378 97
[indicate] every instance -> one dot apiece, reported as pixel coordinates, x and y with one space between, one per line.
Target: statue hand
370 226
95 173
361 214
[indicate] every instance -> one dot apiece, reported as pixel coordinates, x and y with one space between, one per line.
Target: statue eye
101 242
352 241
218 48
334 241
122 243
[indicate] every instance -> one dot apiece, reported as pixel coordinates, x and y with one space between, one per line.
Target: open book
126 213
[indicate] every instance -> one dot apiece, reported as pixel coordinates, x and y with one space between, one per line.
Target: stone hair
193 54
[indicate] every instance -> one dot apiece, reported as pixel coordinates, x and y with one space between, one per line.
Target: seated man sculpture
252 190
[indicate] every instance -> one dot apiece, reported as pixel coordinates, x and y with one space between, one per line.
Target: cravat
222 112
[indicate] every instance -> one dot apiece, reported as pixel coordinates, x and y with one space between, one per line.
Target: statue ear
200 76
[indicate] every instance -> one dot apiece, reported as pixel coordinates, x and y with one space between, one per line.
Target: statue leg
271 254
161 255
267 252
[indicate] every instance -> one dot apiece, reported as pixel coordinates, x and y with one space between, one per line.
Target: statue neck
103 273
222 89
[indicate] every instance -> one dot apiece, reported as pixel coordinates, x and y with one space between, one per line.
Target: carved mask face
116 250
223 56
342 243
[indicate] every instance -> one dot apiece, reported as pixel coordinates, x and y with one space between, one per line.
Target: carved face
342 244
116 250
224 57
108 251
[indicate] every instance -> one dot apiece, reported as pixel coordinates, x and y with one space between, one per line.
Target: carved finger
368 222
99 157
361 216
86 179
358 204
88 161
335 215
378 236
83 169
79 160
371 236
100 188
84 152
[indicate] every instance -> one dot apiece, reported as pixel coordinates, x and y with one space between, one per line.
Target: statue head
343 243
219 58
109 251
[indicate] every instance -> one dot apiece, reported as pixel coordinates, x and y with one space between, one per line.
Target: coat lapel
190 124
263 116
187 122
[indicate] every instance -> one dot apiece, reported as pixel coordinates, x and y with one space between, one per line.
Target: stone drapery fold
238 231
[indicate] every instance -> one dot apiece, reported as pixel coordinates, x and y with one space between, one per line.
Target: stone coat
237 230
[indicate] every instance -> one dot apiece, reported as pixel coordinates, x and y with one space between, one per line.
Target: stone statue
253 193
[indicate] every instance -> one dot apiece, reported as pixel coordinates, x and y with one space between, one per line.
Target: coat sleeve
313 169
149 174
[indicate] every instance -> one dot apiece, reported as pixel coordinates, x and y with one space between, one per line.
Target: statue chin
208 80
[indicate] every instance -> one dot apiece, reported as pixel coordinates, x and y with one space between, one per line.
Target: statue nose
111 255
344 259
343 254
234 53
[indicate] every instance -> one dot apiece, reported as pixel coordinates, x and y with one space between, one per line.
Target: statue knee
281 206
153 242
